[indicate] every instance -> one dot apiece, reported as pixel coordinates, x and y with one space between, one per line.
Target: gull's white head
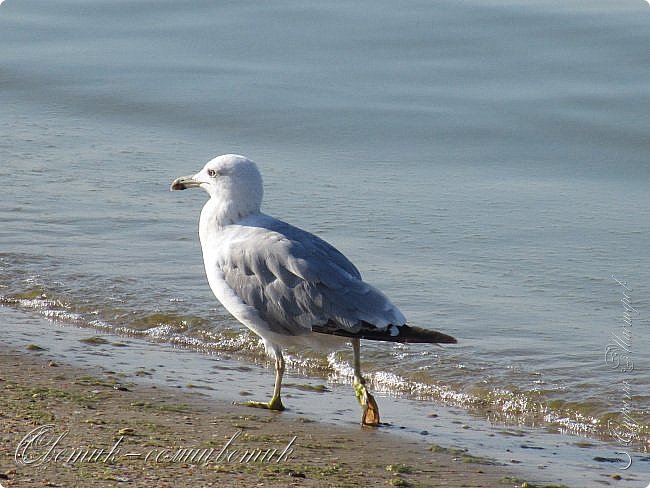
234 184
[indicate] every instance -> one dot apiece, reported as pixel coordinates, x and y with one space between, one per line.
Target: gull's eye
212 173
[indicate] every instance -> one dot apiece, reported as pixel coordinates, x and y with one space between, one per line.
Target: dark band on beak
183 183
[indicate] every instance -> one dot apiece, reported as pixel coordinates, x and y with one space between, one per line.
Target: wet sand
107 432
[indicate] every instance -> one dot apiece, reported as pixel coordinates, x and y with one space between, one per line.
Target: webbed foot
369 408
274 404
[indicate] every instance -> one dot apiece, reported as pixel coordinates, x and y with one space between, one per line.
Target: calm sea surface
485 163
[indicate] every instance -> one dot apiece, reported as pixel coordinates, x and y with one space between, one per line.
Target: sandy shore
106 433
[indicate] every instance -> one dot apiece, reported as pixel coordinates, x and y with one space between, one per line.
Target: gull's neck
218 213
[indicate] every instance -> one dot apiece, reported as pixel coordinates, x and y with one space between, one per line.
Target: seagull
285 284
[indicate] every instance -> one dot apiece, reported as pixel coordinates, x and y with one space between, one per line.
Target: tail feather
406 334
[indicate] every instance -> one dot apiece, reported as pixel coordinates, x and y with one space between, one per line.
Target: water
483 163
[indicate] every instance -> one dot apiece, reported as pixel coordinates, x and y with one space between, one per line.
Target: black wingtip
414 334
406 334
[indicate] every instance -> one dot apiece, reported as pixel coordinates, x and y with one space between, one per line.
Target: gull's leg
276 402
369 408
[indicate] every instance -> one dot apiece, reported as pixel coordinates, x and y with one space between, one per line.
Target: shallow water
483 163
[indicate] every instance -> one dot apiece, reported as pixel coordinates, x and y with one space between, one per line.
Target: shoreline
160 378
109 433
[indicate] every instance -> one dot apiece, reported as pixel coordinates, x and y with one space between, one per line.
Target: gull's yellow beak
185 182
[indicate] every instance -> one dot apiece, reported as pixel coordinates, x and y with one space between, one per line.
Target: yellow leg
276 402
369 408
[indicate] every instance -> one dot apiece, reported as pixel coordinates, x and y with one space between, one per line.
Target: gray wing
297 281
